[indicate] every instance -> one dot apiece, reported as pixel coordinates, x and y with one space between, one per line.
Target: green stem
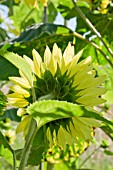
14 160
45 20
27 147
90 25
89 157
50 166
29 13
40 167
65 22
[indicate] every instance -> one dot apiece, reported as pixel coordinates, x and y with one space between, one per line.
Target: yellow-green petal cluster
59 76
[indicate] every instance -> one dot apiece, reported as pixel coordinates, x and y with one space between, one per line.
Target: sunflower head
59 77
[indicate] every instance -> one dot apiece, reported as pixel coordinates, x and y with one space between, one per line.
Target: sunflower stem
14 160
27 147
90 25
50 166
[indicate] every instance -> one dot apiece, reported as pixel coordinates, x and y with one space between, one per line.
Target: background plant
94 36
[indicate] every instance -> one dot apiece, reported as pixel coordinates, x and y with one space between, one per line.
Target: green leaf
104 144
107 152
19 62
3 100
52 12
5 153
5 149
11 114
4 142
38 36
49 110
108 130
7 69
3 35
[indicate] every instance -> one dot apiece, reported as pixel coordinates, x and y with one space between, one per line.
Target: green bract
3 101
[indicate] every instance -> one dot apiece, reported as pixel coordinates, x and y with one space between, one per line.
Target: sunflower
59 77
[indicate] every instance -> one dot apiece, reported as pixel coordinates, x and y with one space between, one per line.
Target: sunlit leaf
6 150
49 110
19 62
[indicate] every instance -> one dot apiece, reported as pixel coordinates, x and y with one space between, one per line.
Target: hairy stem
50 166
90 25
27 147
14 160
40 167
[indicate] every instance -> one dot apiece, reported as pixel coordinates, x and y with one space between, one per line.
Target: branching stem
90 25
95 46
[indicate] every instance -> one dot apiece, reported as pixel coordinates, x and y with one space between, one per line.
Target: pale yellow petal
21 111
86 61
73 69
49 137
92 90
37 62
68 54
19 89
17 100
15 95
57 55
51 66
81 75
47 56
74 63
90 100
94 82
90 122
23 123
83 131
29 61
21 81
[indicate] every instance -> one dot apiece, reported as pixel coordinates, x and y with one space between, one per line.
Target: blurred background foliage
25 25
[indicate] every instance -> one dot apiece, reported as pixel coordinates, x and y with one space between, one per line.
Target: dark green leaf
5 149
108 130
52 12
38 36
7 69
11 114
3 35
3 100
19 62
4 142
107 152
